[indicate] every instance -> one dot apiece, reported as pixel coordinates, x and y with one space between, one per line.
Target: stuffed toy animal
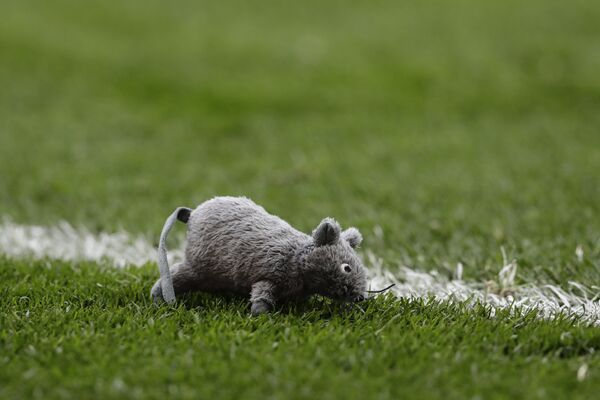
233 245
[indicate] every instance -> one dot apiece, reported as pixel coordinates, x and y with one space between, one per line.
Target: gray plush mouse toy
234 245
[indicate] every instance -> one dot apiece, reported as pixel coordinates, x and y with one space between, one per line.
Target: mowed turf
458 128
79 331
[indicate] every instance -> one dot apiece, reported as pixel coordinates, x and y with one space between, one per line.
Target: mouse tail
166 283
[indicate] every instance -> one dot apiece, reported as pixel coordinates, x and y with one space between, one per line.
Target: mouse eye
346 268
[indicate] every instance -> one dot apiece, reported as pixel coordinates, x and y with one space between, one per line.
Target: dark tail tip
184 214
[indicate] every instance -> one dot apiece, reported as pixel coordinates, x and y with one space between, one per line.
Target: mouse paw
260 307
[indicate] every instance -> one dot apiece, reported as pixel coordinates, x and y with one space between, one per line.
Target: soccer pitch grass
454 129
82 331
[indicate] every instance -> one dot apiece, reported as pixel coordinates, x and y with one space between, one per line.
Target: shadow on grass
315 307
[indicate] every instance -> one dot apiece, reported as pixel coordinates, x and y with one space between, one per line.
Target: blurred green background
445 131
457 127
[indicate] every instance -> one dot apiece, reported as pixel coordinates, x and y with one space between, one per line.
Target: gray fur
234 245
353 237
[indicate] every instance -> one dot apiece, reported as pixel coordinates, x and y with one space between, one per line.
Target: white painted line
549 300
64 242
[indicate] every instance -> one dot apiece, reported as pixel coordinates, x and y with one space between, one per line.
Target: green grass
459 128
456 127
96 333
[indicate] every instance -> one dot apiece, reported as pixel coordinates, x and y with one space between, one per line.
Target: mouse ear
353 237
328 232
